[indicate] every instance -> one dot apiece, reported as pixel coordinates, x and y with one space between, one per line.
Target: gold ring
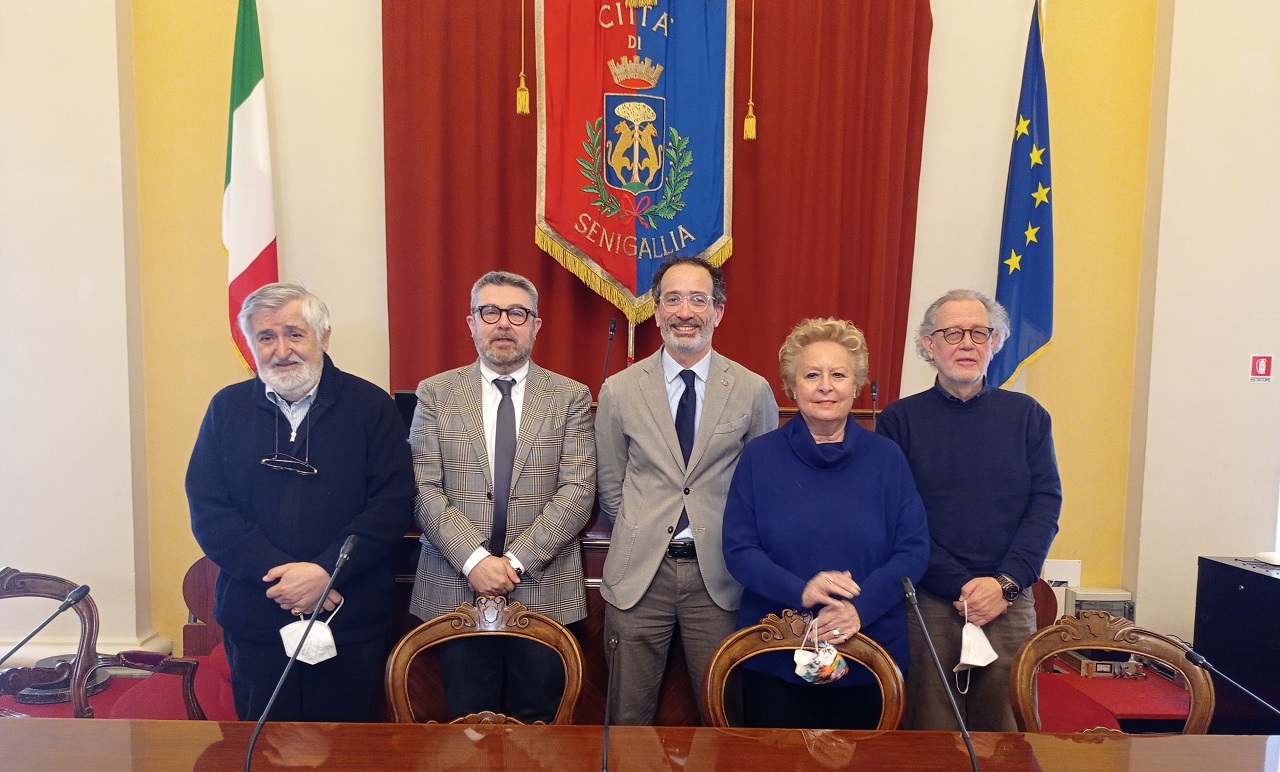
297 612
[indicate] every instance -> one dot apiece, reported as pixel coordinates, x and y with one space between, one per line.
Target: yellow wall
182 56
1099 59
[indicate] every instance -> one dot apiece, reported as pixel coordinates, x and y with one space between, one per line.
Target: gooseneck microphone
608 704
73 597
613 328
1197 659
343 555
910 591
875 392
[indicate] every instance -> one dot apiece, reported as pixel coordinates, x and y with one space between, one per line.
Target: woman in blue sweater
823 516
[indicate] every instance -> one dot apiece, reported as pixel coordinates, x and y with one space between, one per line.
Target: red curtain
824 201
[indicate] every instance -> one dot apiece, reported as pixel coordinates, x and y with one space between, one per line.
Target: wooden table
62 745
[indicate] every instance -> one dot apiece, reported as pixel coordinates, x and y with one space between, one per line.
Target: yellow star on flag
1014 262
1041 196
1021 128
1030 233
1036 153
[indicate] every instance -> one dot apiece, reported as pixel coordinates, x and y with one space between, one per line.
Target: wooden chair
1046 604
786 634
489 616
201 633
156 663
1100 630
19 584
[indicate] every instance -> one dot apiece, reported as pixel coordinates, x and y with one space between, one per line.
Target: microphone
910 591
613 328
608 703
1197 659
343 555
875 392
73 597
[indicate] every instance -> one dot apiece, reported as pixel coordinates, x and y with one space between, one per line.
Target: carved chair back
489 616
786 633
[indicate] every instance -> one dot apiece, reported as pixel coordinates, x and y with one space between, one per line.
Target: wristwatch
1010 587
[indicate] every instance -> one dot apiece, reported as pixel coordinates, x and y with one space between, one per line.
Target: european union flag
1025 284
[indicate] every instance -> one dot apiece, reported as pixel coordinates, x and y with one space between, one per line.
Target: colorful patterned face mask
822 664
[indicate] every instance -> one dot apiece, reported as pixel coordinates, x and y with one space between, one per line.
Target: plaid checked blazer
552 490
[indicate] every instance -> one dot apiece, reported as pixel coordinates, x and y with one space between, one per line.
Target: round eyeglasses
953 335
490 314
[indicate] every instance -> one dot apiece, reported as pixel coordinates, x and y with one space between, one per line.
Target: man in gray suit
669 431
505 463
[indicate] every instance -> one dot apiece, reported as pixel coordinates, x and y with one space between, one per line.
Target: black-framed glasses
698 301
287 463
953 335
490 314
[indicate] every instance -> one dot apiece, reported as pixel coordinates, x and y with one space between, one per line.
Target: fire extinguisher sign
1260 370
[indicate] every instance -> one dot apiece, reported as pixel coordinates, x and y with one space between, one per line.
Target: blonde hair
816 331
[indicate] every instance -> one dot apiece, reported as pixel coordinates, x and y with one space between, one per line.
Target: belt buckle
682 549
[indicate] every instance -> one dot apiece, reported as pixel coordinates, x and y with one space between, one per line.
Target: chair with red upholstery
20 584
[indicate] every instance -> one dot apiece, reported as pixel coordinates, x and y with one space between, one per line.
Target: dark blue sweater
248 518
796 508
989 479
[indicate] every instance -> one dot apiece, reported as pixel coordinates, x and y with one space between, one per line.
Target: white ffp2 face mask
975 650
319 645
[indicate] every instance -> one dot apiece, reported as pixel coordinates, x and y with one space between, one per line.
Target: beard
293 383
686 345
509 359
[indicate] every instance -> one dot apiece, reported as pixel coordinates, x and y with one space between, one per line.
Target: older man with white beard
287 466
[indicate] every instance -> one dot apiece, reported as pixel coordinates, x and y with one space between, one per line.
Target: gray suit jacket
552 487
643 482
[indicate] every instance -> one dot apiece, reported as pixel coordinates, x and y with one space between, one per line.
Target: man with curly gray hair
984 463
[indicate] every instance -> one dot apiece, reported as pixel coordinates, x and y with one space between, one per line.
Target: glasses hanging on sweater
287 463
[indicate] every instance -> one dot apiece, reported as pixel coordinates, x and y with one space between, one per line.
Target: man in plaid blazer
458 446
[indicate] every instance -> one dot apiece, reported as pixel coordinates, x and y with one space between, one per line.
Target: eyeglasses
698 301
953 335
287 463
490 314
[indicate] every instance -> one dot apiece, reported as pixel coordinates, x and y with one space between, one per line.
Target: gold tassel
522 91
749 123
641 3
522 97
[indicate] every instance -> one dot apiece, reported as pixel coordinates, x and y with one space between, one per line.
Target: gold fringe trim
641 3
635 309
1033 356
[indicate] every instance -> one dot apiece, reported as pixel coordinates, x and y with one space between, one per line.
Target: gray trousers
677 595
986 706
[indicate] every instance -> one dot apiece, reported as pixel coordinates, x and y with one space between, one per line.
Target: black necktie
504 458
686 411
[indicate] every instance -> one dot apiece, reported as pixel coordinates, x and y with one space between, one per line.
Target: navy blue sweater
249 518
796 508
989 479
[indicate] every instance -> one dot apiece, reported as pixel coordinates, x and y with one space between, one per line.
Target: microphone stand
73 597
345 553
875 392
910 591
1199 661
613 328
608 704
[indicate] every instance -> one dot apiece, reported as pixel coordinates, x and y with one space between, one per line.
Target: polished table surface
65 745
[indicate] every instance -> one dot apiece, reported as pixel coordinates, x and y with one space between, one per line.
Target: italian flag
248 214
